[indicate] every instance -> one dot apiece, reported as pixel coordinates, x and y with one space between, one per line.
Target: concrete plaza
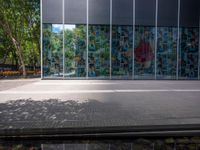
98 102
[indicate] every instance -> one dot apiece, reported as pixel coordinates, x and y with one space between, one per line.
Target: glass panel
75 38
122 52
52 38
99 39
188 53
167 39
166 52
144 48
75 50
189 39
75 11
52 50
122 39
52 11
144 52
189 13
166 17
145 12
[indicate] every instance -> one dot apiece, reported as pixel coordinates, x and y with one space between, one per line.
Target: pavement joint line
99 91
103 83
75 83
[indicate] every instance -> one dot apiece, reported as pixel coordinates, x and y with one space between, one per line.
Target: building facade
120 39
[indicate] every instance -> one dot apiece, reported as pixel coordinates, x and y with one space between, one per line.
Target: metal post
156 39
199 52
110 39
133 65
41 41
87 39
178 40
63 39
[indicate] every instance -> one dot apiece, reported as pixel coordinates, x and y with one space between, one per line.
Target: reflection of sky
70 27
56 28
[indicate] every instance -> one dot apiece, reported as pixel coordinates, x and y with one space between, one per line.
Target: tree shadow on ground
18 113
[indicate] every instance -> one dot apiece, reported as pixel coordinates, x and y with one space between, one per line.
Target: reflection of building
120 39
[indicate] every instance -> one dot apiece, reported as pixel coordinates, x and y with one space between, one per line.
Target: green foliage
20 32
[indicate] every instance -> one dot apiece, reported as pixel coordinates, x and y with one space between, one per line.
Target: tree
19 20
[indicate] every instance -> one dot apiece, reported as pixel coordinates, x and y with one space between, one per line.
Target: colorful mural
188 53
144 52
75 47
52 50
166 52
122 51
99 51
75 50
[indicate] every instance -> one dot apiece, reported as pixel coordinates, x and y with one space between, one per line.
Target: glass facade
122 51
98 39
144 52
144 39
75 50
75 39
52 50
188 54
167 36
98 51
120 39
167 52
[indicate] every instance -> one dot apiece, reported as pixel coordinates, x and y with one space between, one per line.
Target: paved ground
63 103
8 84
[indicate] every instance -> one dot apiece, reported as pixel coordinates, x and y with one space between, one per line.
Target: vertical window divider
199 52
87 38
110 39
41 40
156 39
63 39
178 40
133 65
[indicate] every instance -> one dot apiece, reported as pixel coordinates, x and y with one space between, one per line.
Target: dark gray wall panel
145 12
76 11
99 11
52 11
122 12
189 13
167 12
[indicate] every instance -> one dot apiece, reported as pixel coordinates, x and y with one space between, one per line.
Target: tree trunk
20 55
22 63
17 44
24 69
